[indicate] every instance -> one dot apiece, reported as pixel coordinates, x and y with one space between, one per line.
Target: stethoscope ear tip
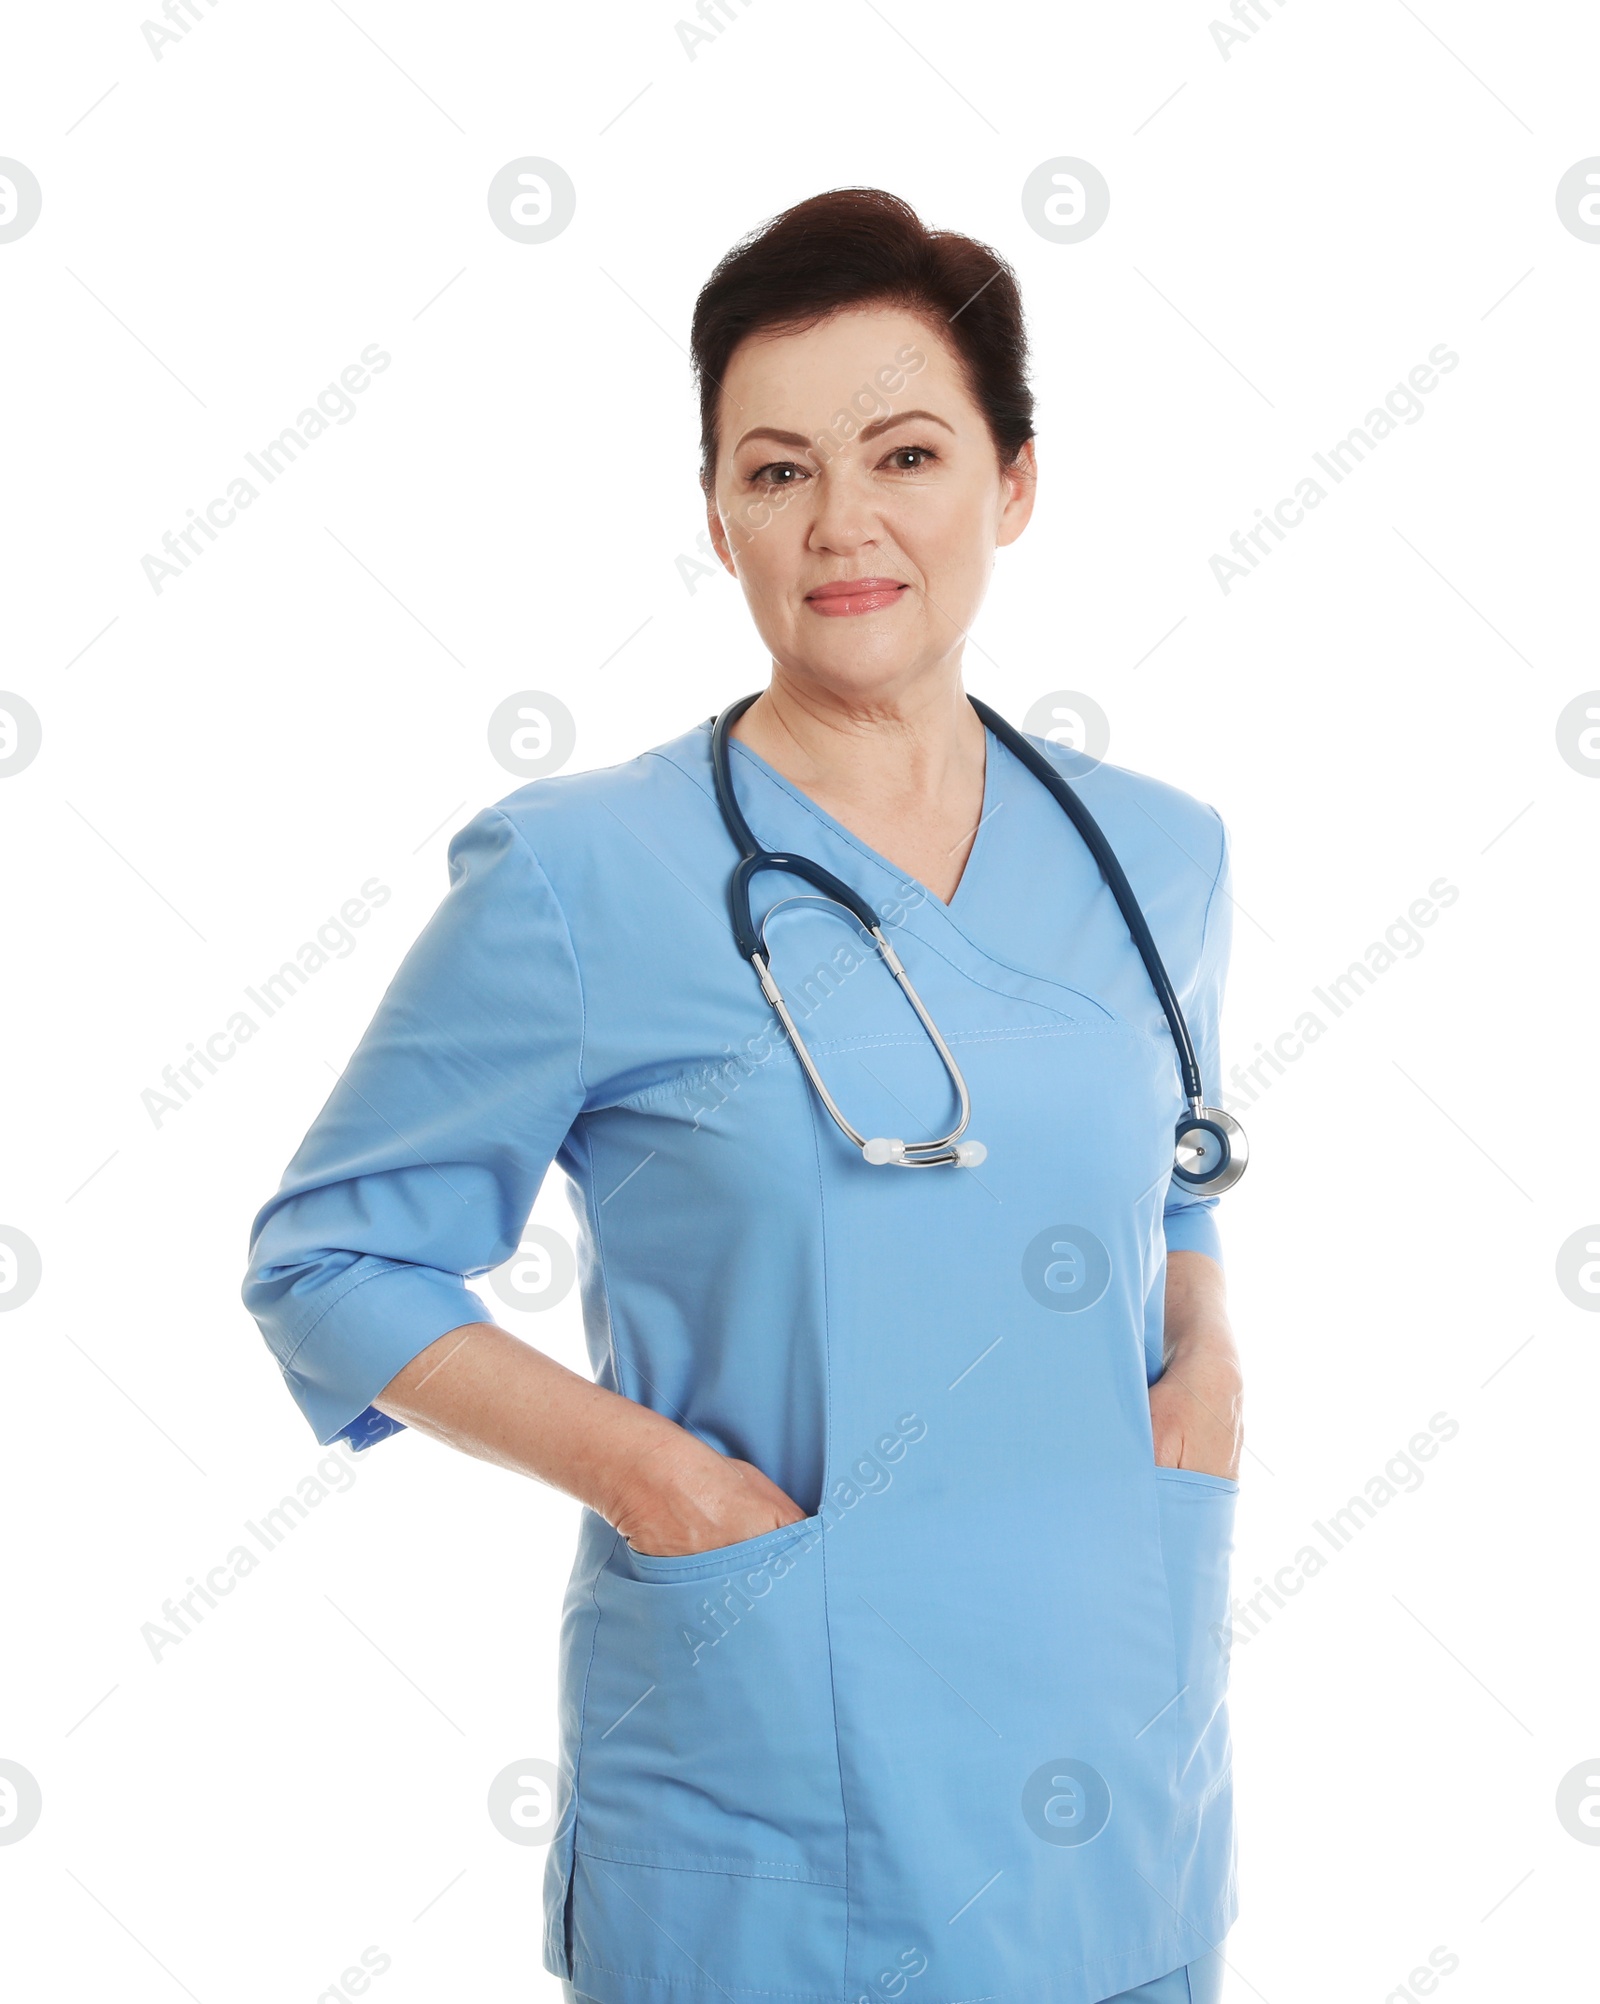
880 1149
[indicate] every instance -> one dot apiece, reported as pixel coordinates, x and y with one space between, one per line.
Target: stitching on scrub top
592 1212
1211 896
577 1752
561 912
700 1075
361 1279
779 1870
827 1469
782 1053
881 863
1209 1794
880 1038
870 856
1197 1478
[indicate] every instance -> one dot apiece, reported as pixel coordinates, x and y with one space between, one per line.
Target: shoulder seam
1211 896
577 965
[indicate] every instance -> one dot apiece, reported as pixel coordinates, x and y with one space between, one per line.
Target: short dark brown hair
857 247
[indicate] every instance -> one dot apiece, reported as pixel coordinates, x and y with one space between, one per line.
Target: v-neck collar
962 895
948 929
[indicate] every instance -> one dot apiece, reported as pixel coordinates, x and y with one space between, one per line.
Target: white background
1292 229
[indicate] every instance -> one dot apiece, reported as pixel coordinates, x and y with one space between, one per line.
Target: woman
892 1658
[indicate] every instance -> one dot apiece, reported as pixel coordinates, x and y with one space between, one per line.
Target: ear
719 540
1019 483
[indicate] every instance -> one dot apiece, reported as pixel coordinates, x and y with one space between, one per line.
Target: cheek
951 541
765 538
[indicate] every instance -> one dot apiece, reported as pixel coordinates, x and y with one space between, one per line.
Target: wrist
1208 1367
1213 1346
654 1457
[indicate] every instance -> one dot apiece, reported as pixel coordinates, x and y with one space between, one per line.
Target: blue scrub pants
1198 1983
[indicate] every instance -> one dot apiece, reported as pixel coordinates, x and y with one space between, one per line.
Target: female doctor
893 1659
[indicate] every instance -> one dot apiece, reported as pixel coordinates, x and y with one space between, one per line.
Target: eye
778 466
917 453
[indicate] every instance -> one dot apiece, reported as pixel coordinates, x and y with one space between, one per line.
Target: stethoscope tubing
1116 878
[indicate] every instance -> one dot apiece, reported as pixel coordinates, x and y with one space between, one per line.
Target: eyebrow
867 432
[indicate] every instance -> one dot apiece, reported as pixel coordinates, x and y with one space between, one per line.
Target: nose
845 520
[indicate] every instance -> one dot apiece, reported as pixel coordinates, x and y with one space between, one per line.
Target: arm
482 1390
419 1172
1197 1404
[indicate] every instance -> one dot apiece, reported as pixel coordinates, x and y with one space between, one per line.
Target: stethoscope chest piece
1211 1151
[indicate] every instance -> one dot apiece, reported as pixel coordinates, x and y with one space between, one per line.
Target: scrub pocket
1196 1513
708 1737
710 1812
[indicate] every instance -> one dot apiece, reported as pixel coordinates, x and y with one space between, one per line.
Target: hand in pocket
1196 1416
696 1500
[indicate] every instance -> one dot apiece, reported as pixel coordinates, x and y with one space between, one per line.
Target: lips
849 596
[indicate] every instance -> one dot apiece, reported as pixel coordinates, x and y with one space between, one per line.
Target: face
853 455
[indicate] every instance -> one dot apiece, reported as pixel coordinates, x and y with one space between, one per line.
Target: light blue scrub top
962 1732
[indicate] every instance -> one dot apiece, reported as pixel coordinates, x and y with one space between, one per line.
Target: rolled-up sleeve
422 1167
1190 1221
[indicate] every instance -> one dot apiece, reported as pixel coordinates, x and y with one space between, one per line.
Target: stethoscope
1210 1146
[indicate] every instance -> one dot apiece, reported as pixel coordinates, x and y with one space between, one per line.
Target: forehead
798 380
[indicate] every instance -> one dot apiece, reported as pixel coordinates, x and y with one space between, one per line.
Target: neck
903 770
912 746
